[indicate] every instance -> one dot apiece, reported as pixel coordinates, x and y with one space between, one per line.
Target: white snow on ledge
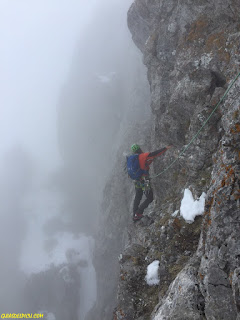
191 208
152 273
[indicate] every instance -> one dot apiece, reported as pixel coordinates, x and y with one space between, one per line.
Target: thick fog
67 81
38 39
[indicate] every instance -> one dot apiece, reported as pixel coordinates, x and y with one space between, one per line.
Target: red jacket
146 158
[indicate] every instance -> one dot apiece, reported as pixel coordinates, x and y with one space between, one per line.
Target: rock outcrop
191 51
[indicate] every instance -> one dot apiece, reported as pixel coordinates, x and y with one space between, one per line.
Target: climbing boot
137 216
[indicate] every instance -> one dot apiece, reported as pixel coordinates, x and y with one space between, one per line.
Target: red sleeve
157 153
145 159
152 156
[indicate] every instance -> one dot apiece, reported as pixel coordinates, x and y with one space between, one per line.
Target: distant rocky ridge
191 51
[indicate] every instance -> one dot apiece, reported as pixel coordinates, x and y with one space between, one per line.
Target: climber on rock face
138 170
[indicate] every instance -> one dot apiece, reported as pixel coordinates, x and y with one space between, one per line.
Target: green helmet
135 147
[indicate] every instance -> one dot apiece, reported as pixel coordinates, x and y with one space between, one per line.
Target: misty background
70 81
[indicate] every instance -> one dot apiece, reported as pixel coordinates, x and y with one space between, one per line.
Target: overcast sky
38 40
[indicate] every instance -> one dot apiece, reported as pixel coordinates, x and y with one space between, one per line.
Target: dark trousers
138 198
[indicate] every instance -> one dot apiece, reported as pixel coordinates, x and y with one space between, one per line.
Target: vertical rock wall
191 50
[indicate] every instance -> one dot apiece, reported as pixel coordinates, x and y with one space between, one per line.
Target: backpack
133 167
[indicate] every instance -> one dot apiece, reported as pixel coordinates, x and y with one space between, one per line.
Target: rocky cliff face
191 51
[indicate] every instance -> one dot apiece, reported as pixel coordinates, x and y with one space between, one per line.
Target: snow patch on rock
191 208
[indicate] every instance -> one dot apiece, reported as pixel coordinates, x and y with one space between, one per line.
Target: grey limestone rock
183 299
191 51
